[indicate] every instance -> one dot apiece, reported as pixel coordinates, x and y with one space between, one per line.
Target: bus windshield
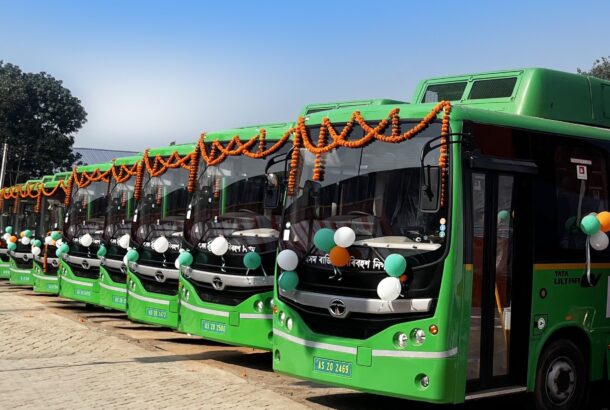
51 215
375 191
162 208
120 209
86 211
229 202
26 217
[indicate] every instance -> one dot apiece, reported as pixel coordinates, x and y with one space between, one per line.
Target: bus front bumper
241 325
113 295
45 282
77 288
149 307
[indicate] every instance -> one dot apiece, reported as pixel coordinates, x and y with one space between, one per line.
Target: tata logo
25 257
54 263
337 308
218 283
85 264
159 276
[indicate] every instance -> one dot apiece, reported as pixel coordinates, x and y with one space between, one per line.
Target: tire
561 377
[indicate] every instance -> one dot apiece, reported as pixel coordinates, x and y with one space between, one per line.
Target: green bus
51 214
167 175
230 237
439 256
117 233
7 220
82 233
25 228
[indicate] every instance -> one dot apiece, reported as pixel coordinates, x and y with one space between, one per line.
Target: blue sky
151 72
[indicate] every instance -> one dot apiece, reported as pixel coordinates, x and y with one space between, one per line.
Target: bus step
500 391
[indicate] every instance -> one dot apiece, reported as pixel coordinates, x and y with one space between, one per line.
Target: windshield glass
7 213
162 208
373 190
51 215
26 217
120 210
86 211
229 202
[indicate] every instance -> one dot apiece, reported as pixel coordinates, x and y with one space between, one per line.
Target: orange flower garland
235 146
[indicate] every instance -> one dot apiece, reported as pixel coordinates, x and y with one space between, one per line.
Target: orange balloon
13 239
604 220
403 278
339 256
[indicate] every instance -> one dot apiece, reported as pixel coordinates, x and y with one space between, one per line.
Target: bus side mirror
272 192
430 189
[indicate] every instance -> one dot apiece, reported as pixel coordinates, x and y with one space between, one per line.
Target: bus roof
130 160
274 131
104 166
533 92
182 149
318 107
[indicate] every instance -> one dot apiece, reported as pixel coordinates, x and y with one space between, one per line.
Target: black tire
561 378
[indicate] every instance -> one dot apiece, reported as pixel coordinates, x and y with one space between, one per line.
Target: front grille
169 287
91 273
4 258
355 325
230 295
51 270
116 275
20 264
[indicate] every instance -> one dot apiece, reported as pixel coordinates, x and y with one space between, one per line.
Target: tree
600 69
38 120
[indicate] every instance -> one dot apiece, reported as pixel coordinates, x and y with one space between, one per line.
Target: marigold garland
159 166
235 146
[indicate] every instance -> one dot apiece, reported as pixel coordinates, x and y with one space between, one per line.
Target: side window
571 183
581 188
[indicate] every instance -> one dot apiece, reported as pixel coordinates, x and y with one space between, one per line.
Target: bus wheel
561 377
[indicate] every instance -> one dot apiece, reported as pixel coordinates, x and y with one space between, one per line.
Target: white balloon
125 261
48 240
389 289
6 236
345 237
288 260
599 241
86 240
36 250
25 240
58 242
219 246
124 241
177 264
161 244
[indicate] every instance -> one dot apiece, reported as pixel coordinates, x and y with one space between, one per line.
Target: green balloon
102 251
55 235
252 260
324 239
58 253
570 223
185 258
11 246
37 243
64 248
27 233
395 265
288 281
8 229
132 255
503 215
590 225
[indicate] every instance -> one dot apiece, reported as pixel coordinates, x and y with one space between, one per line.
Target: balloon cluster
26 237
389 288
288 261
336 244
36 247
596 226
11 240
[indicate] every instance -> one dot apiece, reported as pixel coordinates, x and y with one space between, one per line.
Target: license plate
213 327
119 300
24 278
329 366
156 313
82 292
52 286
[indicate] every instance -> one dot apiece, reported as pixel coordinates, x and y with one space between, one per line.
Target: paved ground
59 354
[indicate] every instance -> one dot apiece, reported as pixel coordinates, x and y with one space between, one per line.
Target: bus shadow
254 361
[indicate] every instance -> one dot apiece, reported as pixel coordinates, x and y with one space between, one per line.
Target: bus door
499 250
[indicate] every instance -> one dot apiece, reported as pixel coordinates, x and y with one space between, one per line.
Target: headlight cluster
185 294
417 337
285 321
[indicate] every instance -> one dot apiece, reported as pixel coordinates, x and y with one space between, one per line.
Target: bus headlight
282 317
289 323
271 303
400 340
259 306
418 336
